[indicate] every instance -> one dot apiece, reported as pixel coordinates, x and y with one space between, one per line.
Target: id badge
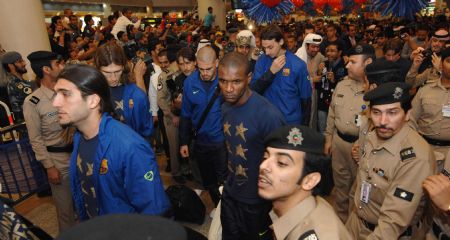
365 192
446 110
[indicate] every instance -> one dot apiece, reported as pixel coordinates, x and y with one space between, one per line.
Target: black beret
362 49
125 226
445 53
38 56
387 93
381 71
11 57
296 137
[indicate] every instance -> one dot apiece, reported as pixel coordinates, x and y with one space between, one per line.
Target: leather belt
438 233
66 149
371 227
437 142
347 138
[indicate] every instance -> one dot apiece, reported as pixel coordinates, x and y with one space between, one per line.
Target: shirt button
360 207
374 184
348 122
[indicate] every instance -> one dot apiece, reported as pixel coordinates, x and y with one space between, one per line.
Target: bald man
209 150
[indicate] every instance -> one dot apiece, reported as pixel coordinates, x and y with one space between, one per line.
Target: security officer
51 143
343 121
18 88
290 175
171 121
430 115
389 199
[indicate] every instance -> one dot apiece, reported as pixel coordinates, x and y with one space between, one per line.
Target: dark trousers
244 221
212 163
162 128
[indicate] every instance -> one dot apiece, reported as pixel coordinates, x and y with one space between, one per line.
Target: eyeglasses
110 74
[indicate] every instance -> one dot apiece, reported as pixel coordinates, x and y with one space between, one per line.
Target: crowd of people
277 116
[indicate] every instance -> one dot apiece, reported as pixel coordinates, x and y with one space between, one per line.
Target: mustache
384 127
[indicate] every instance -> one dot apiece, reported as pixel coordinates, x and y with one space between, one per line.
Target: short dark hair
210 8
394 45
337 44
55 19
111 18
125 10
186 53
87 18
120 34
163 53
235 60
73 16
320 163
89 81
272 32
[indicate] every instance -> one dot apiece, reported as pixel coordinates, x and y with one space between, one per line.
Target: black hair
111 18
272 32
55 19
125 10
320 163
337 44
394 45
235 60
38 65
89 81
120 34
87 19
210 8
163 53
186 53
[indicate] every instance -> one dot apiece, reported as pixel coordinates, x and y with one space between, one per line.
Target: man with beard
395 160
290 176
310 53
18 88
290 90
209 148
51 143
247 119
426 65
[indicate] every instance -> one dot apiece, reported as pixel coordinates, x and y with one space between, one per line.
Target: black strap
347 138
206 111
438 233
437 142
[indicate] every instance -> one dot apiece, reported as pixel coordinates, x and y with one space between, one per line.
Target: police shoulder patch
309 235
403 194
160 85
34 100
407 153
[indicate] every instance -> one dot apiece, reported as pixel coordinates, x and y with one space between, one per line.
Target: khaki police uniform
165 104
313 218
344 117
389 199
430 115
50 145
415 79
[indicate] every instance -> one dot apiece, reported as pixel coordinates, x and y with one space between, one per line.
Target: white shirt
152 92
121 25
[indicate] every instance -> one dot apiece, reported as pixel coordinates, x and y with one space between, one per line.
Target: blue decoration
347 6
308 7
399 8
260 13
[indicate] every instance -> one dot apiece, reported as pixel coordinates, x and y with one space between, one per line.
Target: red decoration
335 4
298 3
270 3
319 4
360 1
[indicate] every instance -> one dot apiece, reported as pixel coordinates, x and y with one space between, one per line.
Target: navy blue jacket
136 110
290 86
194 102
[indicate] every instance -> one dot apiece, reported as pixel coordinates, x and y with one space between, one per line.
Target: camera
258 52
427 53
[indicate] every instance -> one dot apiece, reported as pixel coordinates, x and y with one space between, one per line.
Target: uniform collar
49 93
392 145
356 86
283 225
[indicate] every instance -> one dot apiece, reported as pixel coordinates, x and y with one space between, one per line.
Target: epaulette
34 100
407 153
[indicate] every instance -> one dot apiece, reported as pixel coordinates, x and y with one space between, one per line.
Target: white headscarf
310 38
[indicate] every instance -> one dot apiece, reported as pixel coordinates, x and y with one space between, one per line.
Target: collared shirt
394 169
44 129
427 111
311 217
346 107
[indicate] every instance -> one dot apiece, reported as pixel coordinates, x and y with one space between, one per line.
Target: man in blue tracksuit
282 78
136 110
113 169
209 148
